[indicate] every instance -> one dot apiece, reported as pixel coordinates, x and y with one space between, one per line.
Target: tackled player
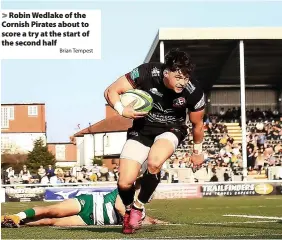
85 209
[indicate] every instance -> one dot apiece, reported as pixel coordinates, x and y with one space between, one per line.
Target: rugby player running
154 136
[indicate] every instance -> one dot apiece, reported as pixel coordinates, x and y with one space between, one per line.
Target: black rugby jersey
169 107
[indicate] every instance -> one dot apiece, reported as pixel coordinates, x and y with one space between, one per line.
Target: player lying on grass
85 209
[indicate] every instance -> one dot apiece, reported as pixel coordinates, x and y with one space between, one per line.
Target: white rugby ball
144 100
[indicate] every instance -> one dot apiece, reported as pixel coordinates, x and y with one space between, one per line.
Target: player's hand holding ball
135 103
129 111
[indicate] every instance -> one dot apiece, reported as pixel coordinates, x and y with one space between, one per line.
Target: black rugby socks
127 196
149 183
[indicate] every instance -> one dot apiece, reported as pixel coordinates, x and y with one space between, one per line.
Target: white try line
252 216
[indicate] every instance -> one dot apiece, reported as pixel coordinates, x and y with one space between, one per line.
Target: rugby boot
126 228
10 221
135 218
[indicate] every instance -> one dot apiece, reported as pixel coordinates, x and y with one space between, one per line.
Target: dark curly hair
176 60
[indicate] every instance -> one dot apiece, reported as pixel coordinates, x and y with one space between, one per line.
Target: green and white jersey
104 207
99 209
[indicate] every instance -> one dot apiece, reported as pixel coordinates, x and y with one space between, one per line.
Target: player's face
177 81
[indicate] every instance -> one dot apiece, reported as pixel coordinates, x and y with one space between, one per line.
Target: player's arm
196 116
131 80
119 87
196 119
119 206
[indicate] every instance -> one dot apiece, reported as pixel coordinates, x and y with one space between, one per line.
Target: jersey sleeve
196 101
138 76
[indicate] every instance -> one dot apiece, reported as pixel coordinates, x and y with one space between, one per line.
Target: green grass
188 213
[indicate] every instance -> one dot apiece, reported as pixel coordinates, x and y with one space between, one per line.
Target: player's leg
64 221
164 146
162 149
134 153
66 208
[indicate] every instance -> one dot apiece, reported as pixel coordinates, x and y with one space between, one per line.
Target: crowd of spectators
53 176
222 154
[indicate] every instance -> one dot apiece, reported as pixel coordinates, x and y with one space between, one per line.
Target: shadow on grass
113 229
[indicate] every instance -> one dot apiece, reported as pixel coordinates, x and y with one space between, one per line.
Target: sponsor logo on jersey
190 87
179 102
82 202
133 133
155 72
160 108
156 92
134 74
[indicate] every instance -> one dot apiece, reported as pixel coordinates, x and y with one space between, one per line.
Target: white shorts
135 150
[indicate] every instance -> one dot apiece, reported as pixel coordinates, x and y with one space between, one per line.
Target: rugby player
85 209
154 136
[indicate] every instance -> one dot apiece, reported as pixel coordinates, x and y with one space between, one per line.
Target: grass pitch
197 218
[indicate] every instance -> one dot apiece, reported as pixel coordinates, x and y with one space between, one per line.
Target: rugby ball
144 101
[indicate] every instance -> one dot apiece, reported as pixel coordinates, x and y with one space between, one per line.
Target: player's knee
155 166
124 185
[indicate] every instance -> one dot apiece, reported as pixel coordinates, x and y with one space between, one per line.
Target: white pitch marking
223 223
251 216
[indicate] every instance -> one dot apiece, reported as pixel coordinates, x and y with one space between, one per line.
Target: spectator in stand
207 119
235 113
222 114
275 113
268 113
50 172
41 172
259 160
115 171
58 177
96 171
10 175
258 114
25 175
226 175
73 180
44 179
250 157
75 171
260 126
228 115
261 140
67 176
214 178
104 172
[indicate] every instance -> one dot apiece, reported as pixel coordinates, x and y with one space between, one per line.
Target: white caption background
82 47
